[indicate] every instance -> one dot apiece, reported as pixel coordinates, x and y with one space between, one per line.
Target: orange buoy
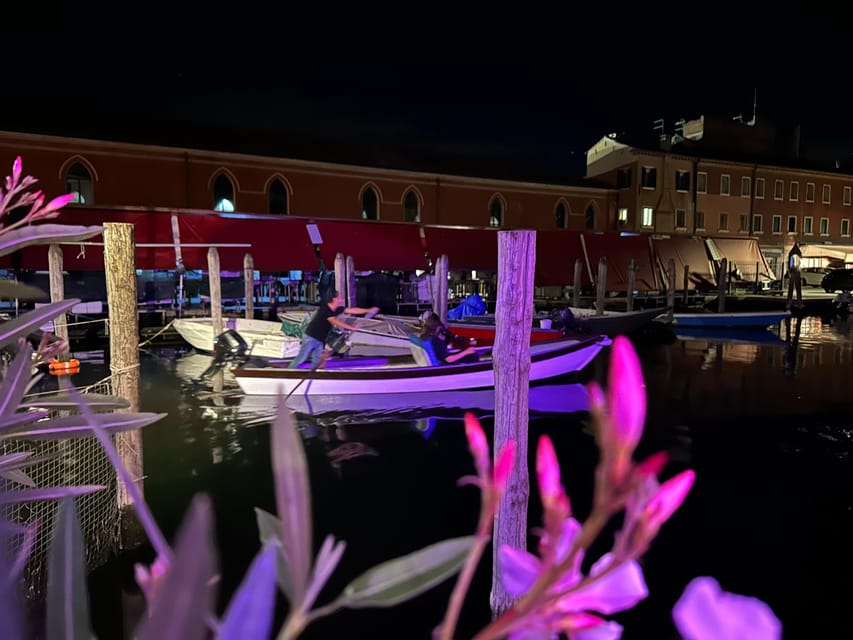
60 368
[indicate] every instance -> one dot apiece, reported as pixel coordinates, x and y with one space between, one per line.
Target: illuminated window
648 217
223 194
79 182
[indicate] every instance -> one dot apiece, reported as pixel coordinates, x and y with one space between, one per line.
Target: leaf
78 426
11 603
250 613
293 499
17 420
45 234
63 400
269 527
16 380
67 592
403 578
18 327
11 290
327 559
47 493
16 475
183 603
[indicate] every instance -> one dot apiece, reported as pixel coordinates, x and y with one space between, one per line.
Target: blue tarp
473 305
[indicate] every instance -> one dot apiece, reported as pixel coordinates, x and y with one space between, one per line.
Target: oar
308 377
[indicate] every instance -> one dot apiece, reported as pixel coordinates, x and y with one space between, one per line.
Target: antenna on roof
751 123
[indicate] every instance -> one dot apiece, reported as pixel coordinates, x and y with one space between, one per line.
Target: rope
116 370
171 322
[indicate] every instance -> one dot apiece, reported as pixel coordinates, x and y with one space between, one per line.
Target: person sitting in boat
439 337
317 331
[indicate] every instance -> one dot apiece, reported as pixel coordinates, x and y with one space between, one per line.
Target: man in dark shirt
315 334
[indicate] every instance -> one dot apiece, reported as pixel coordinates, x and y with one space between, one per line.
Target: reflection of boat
190 367
728 334
741 319
543 399
402 374
265 338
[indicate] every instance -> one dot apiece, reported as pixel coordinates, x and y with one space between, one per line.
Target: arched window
496 212
79 182
278 197
369 205
412 207
590 216
223 194
560 216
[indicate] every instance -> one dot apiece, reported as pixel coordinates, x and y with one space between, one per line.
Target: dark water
767 427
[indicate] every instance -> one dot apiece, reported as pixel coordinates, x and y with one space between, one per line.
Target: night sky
530 91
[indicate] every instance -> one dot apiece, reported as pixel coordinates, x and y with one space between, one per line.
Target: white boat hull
264 338
378 375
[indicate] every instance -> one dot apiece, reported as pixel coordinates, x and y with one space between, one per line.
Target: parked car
837 280
813 276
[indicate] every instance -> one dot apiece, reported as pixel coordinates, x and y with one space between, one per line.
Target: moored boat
264 338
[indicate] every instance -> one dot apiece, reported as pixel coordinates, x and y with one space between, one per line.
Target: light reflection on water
766 424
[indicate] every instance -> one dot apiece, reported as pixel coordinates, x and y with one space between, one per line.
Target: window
277 197
623 216
680 219
757 222
724 222
369 205
792 224
794 194
78 181
759 187
590 216
560 216
682 181
649 178
847 196
496 212
810 192
725 184
648 217
745 186
699 221
779 190
845 228
223 194
743 226
701 182
411 207
623 178
776 224
824 226
808 225
827 194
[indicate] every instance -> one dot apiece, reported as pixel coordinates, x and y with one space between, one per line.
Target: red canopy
464 248
619 250
686 252
373 245
556 252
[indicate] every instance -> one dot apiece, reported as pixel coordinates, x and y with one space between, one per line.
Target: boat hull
741 319
264 338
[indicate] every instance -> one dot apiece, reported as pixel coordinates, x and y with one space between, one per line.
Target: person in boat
440 337
317 331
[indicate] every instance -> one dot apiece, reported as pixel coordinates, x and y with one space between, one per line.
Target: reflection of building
726 179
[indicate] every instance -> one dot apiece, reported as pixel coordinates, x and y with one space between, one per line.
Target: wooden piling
757 279
120 271
576 283
513 319
722 279
601 286
686 284
351 288
341 275
249 285
215 292
632 277
57 293
440 303
670 287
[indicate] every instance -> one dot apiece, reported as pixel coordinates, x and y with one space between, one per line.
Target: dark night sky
524 90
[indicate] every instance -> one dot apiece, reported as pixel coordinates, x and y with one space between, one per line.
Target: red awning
619 250
556 252
686 252
743 253
465 248
373 245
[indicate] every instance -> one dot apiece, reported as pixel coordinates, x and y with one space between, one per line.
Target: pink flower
150 580
478 445
668 498
503 466
706 612
548 471
16 170
626 394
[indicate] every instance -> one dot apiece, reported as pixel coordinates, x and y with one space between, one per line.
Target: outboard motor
229 348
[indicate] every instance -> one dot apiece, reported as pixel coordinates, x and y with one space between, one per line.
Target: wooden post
513 319
670 287
757 280
601 286
350 284
120 271
686 283
632 277
722 278
439 304
576 286
249 285
341 275
57 293
215 292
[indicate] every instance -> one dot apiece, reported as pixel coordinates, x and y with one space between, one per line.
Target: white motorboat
265 338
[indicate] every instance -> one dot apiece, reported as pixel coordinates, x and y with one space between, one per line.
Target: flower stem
448 626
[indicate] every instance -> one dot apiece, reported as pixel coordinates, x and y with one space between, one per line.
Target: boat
265 338
739 319
729 334
381 335
611 323
401 374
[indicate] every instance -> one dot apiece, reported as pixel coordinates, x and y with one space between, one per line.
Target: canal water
765 420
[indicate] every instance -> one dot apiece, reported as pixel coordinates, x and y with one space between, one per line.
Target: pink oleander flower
626 394
706 612
566 605
491 480
150 579
556 506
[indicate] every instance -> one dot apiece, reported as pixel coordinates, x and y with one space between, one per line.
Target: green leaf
16 380
401 579
24 324
250 612
269 527
17 420
67 592
16 475
64 401
45 234
77 426
10 290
